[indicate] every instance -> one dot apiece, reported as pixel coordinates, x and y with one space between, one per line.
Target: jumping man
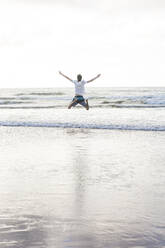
79 90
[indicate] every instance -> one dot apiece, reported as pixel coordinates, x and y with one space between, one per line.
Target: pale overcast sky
124 40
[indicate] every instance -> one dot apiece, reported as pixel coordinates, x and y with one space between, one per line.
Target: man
79 90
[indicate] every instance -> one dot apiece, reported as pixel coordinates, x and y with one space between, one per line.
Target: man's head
79 77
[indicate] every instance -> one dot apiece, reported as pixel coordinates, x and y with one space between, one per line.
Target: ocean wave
41 94
94 106
82 125
31 107
13 102
150 99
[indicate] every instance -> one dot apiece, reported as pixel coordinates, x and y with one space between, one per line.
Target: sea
82 178
110 108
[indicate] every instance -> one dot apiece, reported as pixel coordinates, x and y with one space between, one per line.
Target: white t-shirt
79 87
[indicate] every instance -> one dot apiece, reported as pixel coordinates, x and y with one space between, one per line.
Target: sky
124 40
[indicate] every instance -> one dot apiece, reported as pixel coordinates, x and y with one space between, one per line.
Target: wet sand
81 188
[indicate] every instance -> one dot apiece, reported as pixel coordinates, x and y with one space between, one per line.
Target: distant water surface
110 108
99 97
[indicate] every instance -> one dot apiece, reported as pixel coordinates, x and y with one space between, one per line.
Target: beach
77 178
81 188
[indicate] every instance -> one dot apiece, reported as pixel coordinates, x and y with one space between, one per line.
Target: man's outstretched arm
65 76
94 78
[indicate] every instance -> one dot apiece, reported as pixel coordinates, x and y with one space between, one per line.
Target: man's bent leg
73 103
85 104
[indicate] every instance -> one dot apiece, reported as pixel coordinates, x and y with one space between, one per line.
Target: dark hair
79 77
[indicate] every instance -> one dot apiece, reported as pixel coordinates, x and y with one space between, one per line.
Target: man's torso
79 87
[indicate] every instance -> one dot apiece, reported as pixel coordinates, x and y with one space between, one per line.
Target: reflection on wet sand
79 233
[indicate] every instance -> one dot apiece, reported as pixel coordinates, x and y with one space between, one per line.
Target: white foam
80 125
